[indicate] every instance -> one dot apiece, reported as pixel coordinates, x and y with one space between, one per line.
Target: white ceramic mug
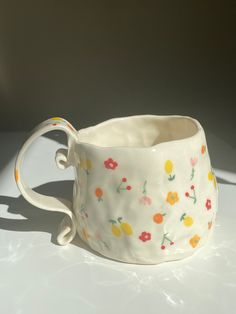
144 190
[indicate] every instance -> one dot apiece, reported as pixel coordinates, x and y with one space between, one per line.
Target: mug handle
67 228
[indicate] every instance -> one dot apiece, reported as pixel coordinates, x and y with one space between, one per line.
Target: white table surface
38 276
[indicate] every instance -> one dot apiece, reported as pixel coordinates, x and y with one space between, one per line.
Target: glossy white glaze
144 189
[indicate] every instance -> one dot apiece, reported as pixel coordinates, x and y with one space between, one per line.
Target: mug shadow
37 219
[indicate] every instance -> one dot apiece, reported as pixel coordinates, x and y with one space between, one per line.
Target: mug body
144 190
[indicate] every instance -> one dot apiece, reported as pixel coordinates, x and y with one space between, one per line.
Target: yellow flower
172 198
168 166
86 164
194 240
211 177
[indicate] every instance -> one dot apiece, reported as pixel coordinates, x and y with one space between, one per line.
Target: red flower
145 236
124 180
208 204
110 164
192 187
187 194
128 187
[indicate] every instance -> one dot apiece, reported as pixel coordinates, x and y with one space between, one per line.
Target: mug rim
153 147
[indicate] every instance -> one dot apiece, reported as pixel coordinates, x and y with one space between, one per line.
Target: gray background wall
92 60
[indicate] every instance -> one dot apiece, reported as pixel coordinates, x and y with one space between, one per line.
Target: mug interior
139 131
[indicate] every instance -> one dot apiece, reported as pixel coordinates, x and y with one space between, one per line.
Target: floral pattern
86 165
145 236
187 220
123 227
99 194
158 218
193 195
167 240
172 198
168 169
110 164
208 204
145 200
212 178
194 240
123 186
120 228
193 162
203 149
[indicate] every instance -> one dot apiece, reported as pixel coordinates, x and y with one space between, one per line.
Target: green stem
119 219
168 239
144 187
182 217
171 178
193 198
119 187
192 174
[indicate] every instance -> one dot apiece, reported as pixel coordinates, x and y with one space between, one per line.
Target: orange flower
194 240
99 193
172 198
203 149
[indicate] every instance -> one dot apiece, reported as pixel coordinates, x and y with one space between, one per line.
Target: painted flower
145 236
110 164
169 169
203 149
194 240
208 204
145 200
211 177
172 198
193 161
99 194
86 164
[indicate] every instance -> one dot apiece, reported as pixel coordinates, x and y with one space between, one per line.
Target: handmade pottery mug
144 189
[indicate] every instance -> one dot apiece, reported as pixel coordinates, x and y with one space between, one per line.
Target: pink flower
110 164
193 161
208 204
145 236
145 200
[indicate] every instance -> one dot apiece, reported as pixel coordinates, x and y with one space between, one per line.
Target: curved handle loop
67 228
